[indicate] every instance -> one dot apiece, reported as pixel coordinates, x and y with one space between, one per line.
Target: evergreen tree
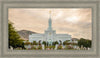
14 38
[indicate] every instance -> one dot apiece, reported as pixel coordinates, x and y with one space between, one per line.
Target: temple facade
49 35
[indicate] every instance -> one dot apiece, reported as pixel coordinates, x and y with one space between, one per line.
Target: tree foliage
56 42
39 42
84 42
60 42
44 42
14 38
35 43
66 42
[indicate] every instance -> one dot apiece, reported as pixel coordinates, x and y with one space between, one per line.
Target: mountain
24 34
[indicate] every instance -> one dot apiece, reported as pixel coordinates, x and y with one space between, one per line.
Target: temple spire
50 22
50 13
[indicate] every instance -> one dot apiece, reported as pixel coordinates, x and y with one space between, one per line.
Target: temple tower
50 22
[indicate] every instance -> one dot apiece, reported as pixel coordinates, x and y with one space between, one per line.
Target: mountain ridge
24 34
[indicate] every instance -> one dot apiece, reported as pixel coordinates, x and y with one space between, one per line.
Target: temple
49 35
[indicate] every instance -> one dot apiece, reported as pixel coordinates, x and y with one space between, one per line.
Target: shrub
33 48
34 43
27 43
59 47
40 47
70 47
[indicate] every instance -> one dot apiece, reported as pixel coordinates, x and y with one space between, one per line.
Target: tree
44 42
84 42
66 42
56 42
34 43
60 42
39 42
14 38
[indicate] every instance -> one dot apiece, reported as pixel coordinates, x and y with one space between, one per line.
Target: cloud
74 21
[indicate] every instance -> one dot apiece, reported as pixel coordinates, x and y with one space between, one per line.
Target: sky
73 21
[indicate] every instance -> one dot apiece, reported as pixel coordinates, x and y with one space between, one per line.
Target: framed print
49 28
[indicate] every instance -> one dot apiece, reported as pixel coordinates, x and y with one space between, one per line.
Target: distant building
49 35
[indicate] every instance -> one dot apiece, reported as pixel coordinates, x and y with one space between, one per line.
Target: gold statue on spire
50 12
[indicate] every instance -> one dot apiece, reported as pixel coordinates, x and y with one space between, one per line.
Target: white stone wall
36 37
63 37
49 34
